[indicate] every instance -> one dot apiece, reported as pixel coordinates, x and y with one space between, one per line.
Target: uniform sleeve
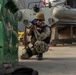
43 35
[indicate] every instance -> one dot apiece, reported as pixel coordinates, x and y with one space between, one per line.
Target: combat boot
40 56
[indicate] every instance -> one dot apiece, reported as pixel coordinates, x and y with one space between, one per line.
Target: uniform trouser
39 47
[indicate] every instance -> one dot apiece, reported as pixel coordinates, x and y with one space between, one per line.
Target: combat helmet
40 16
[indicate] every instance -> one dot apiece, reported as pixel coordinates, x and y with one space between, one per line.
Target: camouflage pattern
41 46
37 45
43 35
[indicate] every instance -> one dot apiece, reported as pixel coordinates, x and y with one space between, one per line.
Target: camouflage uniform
40 39
39 45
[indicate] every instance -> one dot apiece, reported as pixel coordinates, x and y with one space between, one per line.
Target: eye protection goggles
39 20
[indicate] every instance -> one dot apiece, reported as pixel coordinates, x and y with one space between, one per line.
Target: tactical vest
40 30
